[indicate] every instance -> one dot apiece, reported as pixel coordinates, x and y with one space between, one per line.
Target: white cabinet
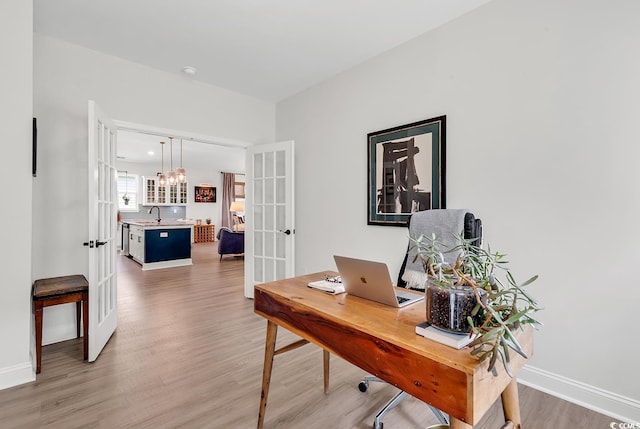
167 195
136 243
149 191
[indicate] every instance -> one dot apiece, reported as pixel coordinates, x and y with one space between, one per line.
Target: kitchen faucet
155 207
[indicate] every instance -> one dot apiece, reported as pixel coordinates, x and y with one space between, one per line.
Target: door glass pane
281 246
100 181
111 280
100 303
258 273
258 192
114 221
269 270
114 292
105 144
114 186
269 167
280 190
269 197
105 183
258 217
268 244
269 218
258 171
102 217
280 218
100 142
100 264
280 163
258 243
281 271
110 294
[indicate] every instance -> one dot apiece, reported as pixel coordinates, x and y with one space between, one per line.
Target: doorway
140 156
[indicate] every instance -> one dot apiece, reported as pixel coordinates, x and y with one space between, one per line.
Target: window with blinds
127 192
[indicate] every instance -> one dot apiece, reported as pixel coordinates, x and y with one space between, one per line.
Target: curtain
228 196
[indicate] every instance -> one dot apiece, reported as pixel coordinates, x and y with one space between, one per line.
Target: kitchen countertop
146 223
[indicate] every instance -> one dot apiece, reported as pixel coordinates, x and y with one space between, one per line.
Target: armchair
446 224
230 242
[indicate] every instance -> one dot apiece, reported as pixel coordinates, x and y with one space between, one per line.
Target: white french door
103 309
269 212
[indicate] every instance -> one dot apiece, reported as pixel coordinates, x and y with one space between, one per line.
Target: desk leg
511 403
269 351
325 359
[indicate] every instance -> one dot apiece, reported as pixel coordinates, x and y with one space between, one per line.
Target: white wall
65 77
542 100
16 111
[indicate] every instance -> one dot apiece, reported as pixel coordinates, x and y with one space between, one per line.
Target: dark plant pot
448 308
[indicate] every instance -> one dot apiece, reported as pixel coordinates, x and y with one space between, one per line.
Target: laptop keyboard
401 299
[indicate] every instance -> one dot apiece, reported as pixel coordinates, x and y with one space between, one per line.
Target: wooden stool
61 290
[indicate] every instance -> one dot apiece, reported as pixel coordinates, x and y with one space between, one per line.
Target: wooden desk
382 341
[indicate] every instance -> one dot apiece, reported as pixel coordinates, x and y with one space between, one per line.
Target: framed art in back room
204 194
406 171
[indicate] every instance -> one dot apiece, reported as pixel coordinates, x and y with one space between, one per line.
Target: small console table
204 233
61 290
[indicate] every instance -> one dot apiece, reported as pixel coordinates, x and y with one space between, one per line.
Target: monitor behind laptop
371 280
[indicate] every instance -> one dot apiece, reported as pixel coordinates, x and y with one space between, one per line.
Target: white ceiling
140 148
268 49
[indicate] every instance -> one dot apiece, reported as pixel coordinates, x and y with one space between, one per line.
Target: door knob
287 231
100 243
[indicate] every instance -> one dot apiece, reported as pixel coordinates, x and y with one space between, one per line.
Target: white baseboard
604 402
17 374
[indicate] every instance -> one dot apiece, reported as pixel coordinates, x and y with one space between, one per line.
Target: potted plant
208 221
477 300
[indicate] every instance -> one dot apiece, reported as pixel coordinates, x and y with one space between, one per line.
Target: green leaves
508 306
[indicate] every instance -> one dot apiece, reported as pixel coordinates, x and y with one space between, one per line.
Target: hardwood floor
188 352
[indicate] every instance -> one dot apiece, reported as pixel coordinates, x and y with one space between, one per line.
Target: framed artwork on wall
406 171
238 189
204 194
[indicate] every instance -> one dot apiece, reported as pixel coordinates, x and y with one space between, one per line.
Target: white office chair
446 225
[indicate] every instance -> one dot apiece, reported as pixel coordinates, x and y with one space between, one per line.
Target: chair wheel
363 386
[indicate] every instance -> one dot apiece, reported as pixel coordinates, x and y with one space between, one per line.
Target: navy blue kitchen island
160 244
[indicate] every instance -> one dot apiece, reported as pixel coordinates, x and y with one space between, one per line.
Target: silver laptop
371 280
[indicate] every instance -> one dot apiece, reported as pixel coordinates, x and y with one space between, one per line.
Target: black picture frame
406 171
204 194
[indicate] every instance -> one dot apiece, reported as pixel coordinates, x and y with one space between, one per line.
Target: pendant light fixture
180 171
162 179
171 175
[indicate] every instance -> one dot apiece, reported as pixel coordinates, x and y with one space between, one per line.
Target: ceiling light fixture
189 71
162 179
171 175
180 171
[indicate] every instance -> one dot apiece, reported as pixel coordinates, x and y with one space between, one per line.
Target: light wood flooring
188 353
